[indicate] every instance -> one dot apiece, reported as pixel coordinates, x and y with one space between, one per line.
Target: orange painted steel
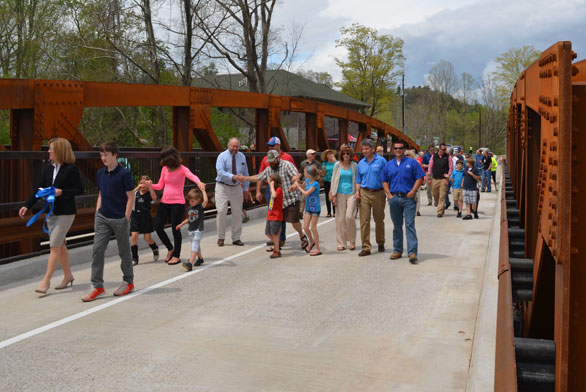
58 106
546 151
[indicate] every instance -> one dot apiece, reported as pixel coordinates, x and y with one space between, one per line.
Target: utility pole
403 98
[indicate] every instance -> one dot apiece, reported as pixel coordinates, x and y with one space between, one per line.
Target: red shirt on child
276 207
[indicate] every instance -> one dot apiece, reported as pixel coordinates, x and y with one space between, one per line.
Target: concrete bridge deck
244 322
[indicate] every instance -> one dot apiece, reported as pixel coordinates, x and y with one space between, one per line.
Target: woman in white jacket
342 195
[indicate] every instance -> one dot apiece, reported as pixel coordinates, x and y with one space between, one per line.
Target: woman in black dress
64 176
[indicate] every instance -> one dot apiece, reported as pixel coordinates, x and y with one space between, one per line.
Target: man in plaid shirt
291 196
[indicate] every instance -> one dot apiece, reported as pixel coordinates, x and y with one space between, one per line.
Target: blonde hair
410 153
194 194
62 150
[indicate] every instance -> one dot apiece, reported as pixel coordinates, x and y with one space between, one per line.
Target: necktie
234 167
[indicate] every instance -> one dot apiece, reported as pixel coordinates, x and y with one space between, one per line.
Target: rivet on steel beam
574 189
574 251
573 55
575 70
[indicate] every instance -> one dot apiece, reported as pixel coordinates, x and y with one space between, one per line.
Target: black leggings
176 212
329 204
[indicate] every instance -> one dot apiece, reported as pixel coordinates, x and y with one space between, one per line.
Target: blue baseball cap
274 140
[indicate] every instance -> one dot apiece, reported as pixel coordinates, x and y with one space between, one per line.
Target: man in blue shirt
401 178
229 165
370 195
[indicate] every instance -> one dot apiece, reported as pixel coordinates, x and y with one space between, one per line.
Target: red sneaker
95 293
124 289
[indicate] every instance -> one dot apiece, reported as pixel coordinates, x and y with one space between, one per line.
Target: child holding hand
312 208
275 215
195 216
141 221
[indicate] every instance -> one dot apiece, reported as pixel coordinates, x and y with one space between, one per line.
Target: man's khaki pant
374 201
428 188
439 194
229 194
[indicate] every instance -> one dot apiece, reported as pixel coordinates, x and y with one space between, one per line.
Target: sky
468 33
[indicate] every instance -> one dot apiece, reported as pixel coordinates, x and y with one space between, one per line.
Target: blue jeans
486 177
283 236
403 207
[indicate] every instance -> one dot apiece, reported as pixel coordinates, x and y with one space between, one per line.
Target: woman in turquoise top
328 158
342 194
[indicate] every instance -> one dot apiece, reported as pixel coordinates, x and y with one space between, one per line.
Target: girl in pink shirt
172 204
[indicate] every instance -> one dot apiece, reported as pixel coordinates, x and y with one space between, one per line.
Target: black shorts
141 223
272 227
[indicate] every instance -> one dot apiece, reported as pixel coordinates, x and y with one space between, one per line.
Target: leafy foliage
510 65
373 63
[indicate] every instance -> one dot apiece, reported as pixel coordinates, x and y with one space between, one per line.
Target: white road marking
127 297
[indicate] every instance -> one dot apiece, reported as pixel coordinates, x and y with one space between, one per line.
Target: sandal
275 255
304 242
270 249
175 262
352 247
315 253
169 256
310 248
340 248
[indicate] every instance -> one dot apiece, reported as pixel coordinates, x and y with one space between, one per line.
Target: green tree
510 65
373 63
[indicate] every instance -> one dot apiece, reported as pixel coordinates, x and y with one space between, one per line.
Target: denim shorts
195 239
313 213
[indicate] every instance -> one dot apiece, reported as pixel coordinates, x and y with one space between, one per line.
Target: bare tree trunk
187 58
161 136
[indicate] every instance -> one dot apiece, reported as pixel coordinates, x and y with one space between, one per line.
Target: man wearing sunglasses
401 178
440 168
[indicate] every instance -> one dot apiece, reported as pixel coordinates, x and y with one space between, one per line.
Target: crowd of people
352 188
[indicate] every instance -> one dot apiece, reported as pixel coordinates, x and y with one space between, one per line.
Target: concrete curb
482 358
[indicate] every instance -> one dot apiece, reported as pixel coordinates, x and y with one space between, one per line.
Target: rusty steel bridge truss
541 326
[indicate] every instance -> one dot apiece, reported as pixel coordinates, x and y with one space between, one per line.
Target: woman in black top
65 177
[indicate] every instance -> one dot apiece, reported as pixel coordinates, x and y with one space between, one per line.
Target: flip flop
310 248
177 262
315 254
340 248
304 242
269 249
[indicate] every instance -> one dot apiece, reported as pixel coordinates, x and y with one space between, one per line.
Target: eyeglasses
346 153
444 149
398 148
